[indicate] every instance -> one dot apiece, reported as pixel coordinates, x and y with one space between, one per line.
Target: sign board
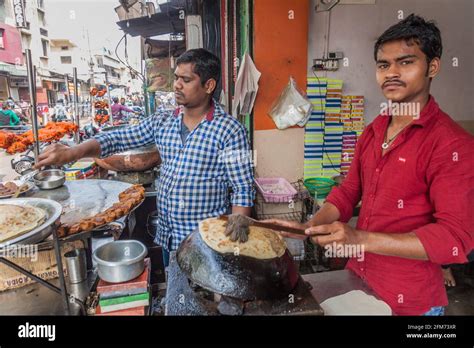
19 12
17 82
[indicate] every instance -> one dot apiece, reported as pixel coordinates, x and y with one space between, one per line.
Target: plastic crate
275 190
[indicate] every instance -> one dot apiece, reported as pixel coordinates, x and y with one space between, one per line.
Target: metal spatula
271 226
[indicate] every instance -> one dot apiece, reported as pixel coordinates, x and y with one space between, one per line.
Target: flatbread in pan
263 243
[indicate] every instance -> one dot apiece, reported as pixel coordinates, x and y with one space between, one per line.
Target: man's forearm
327 214
90 148
405 245
241 210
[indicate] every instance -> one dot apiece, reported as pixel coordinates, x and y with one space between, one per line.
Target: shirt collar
428 113
430 110
213 111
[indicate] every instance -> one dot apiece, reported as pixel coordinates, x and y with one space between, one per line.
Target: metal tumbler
76 265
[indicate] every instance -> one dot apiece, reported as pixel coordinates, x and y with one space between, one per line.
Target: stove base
181 299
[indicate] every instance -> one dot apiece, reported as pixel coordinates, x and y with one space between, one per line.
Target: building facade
12 70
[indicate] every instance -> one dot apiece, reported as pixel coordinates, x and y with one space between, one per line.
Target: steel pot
120 261
236 276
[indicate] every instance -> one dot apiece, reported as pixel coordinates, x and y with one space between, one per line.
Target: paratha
16 220
263 243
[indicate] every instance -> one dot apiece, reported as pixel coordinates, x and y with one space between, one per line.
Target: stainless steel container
49 179
104 235
76 265
120 261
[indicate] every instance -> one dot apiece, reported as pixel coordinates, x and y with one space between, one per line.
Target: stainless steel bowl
50 179
120 261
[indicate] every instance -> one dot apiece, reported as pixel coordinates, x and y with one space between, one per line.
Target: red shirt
423 184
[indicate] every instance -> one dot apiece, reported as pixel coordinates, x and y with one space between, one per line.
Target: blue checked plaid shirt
195 177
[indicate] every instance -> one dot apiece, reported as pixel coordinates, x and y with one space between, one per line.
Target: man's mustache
394 82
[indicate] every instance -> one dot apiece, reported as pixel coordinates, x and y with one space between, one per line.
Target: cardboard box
82 170
40 263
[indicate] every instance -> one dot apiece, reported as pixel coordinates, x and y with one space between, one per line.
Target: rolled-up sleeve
346 196
129 138
451 189
238 163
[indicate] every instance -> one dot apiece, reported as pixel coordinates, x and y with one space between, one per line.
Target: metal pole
59 263
67 100
76 110
34 112
91 83
111 121
143 71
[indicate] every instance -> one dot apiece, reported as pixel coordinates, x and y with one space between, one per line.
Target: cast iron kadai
236 276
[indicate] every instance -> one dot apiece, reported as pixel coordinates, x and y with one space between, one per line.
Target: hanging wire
126 63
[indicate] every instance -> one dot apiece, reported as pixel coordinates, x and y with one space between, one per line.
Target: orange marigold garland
53 131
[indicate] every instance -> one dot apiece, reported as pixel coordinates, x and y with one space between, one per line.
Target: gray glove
238 228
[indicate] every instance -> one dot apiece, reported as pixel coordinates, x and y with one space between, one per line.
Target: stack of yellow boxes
333 130
82 170
314 129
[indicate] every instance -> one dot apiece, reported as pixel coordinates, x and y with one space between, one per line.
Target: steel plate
53 212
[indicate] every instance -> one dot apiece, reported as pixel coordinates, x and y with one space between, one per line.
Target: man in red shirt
413 171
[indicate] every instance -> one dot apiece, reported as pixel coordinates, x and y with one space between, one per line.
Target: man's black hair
206 65
414 29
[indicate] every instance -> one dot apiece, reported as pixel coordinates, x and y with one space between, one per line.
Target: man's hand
237 228
286 223
56 154
337 232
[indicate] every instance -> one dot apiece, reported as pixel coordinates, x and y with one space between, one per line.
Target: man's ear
434 67
210 86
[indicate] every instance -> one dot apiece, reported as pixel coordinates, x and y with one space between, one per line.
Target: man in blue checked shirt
204 151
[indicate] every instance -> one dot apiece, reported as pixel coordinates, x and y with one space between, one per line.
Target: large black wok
236 276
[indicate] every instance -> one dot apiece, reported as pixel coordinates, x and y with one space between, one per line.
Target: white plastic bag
291 108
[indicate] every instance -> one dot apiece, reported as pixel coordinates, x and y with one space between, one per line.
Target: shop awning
13 69
52 79
157 24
